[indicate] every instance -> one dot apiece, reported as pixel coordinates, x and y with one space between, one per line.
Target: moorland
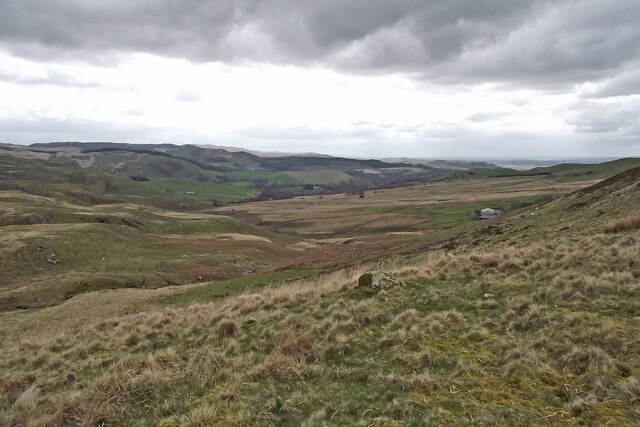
186 285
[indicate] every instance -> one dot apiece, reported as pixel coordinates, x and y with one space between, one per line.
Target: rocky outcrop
488 213
378 280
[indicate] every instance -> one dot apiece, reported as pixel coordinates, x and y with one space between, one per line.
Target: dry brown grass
227 328
629 223
554 343
335 213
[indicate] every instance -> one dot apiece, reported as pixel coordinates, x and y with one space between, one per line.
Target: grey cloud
623 85
565 43
52 77
27 130
305 134
434 142
538 42
187 95
486 117
605 118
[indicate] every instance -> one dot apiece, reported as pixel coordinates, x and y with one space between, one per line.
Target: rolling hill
560 172
527 319
442 164
266 176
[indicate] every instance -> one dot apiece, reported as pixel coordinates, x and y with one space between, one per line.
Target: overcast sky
368 78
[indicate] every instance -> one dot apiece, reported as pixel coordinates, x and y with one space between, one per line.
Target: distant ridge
260 153
442 164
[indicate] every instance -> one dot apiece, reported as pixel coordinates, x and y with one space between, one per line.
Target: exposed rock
378 280
49 255
488 213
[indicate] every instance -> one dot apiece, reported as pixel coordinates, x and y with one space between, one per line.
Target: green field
203 191
268 178
319 177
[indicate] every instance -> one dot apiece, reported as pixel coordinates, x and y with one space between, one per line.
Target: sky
361 78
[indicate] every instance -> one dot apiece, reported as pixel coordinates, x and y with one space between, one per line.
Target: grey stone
378 280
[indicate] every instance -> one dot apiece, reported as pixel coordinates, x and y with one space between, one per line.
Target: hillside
442 164
269 176
109 232
527 319
560 172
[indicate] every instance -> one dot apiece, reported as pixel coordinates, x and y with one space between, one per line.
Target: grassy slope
319 177
561 173
130 164
267 178
204 191
115 246
530 320
444 164
274 176
572 171
65 180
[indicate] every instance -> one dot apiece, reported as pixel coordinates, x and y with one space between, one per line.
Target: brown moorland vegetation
531 319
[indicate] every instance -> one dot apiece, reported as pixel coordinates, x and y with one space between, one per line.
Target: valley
127 301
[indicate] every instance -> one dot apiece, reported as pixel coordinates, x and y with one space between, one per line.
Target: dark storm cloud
535 42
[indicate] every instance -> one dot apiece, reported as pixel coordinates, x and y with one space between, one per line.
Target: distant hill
260 153
442 164
202 170
560 172
198 176
224 160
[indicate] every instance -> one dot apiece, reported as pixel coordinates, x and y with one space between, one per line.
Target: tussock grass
629 223
521 324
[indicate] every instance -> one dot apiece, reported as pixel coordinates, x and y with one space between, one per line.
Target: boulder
488 213
378 280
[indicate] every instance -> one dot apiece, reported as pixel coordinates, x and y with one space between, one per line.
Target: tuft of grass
28 400
227 328
591 358
629 223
